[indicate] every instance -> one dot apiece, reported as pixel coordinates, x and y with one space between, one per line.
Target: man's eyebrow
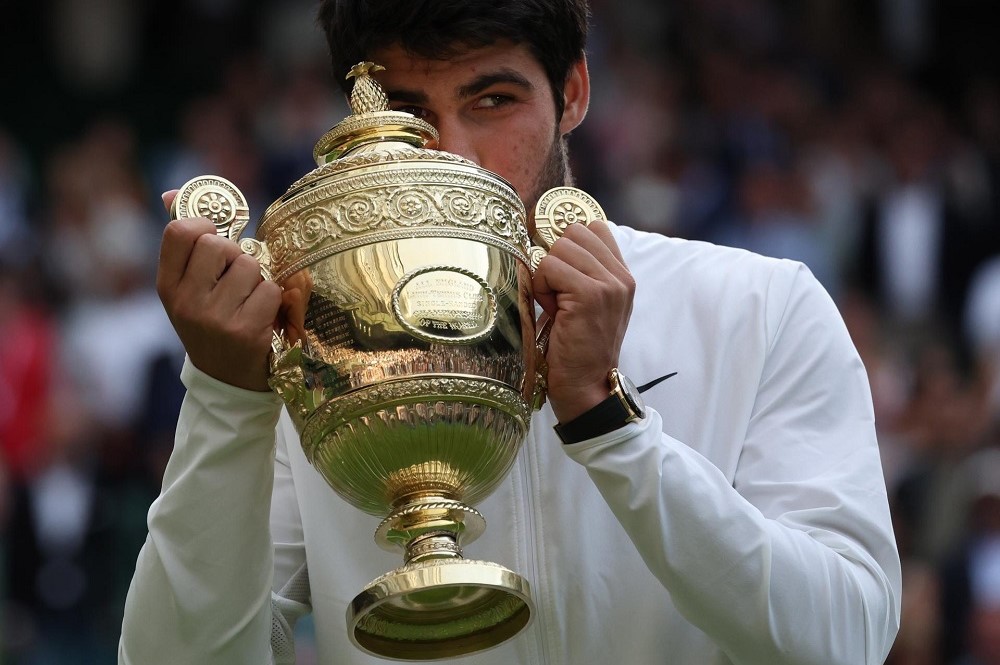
404 96
470 89
484 81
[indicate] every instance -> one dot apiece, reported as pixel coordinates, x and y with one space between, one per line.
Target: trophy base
439 608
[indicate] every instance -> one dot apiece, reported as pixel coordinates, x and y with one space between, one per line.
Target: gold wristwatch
622 406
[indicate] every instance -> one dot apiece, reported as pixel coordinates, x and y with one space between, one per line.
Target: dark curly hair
554 30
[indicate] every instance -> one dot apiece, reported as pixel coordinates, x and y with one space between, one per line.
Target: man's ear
576 94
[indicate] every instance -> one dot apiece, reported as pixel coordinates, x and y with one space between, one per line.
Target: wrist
621 405
579 401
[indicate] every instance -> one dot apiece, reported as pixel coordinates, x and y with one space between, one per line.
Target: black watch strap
605 417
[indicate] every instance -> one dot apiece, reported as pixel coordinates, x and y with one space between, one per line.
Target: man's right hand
220 306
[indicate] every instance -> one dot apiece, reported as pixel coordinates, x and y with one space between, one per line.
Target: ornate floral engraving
314 227
462 207
358 212
321 221
353 197
409 207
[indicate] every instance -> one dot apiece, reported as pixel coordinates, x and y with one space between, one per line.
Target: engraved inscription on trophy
329 340
328 324
444 304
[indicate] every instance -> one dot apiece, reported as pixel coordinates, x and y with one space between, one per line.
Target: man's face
492 105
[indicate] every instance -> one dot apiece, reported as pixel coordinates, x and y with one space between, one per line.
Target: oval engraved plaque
445 305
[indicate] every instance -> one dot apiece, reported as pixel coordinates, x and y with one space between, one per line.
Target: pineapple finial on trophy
367 95
372 122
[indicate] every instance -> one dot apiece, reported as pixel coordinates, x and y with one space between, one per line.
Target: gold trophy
407 356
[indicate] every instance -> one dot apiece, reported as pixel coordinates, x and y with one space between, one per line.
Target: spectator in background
943 424
971 580
104 243
56 566
919 248
17 242
982 327
72 390
776 220
27 356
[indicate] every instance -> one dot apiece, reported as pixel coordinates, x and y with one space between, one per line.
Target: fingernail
163 196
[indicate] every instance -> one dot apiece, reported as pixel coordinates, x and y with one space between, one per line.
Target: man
740 518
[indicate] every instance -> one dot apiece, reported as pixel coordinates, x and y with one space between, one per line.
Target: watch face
631 394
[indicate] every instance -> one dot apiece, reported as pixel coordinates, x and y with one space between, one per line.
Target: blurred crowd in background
861 137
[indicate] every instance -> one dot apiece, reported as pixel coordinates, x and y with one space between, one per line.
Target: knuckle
629 281
207 240
234 328
561 248
246 261
175 232
215 245
246 265
182 314
270 290
608 291
182 229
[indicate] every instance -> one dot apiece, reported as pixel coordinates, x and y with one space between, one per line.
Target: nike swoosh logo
643 388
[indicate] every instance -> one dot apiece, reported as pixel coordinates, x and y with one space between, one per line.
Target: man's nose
456 140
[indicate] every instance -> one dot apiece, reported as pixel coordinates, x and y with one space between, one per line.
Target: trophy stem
433 546
430 527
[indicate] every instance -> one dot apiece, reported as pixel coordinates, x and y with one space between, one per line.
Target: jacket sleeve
202 588
290 595
794 559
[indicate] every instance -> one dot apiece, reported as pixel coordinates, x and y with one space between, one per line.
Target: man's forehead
502 61
453 53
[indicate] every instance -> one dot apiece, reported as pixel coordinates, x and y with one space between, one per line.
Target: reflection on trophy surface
407 356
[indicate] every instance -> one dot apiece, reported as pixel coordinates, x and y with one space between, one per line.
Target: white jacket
744 520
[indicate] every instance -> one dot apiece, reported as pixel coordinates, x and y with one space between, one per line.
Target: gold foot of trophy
407 356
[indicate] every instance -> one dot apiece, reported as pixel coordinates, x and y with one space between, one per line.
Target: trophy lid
371 120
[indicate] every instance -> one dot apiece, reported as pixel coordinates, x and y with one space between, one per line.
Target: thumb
168 199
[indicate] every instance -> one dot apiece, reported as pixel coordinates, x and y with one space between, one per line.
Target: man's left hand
585 286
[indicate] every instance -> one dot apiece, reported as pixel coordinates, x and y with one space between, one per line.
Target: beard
555 173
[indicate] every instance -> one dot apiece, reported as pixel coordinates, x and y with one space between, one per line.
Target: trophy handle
559 207
541 365
216 199
223 203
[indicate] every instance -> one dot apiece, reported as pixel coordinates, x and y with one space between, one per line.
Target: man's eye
493 101
418 111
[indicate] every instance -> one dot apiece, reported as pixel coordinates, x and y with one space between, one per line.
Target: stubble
555 173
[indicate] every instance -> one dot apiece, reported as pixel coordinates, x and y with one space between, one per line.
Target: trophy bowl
407 357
